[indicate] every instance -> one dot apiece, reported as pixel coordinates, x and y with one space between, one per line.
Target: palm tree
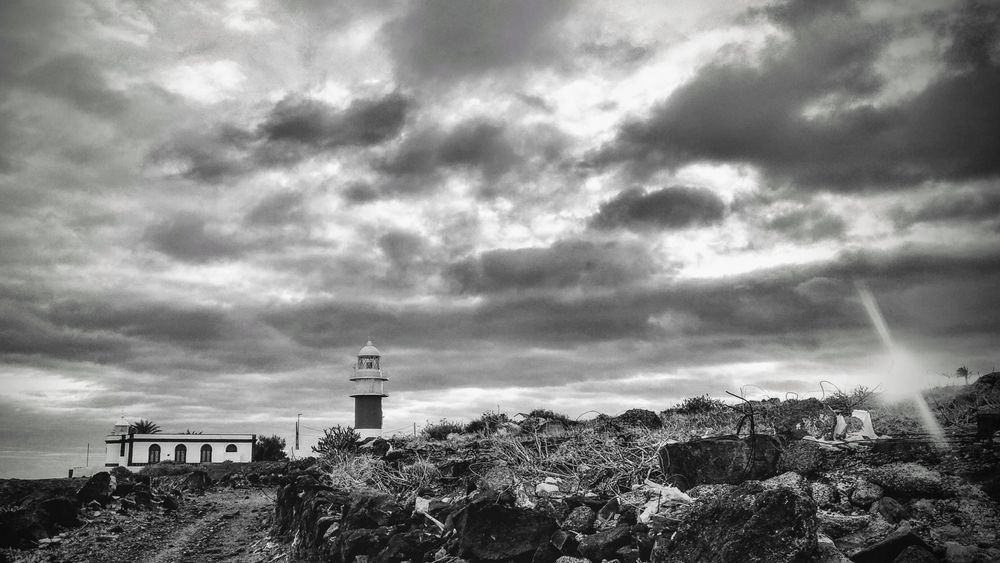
144 427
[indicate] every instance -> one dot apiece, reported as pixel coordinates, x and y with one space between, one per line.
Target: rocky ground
121 517
638 487
223 525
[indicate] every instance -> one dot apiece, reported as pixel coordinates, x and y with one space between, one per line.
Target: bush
700 405
487 424
269 448
549 415
442 429
164 468
337 439
640 417
860 397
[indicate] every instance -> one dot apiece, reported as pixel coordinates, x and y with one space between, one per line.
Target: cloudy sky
207 208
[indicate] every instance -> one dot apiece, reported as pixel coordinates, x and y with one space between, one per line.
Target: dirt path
221 525
226 527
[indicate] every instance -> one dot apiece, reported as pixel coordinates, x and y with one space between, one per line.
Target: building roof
369 350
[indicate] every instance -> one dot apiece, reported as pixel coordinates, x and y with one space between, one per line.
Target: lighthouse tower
368 389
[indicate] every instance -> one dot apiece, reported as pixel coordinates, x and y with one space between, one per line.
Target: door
154 453
180 453
206 454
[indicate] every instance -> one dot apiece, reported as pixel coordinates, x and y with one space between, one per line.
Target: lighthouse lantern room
368 390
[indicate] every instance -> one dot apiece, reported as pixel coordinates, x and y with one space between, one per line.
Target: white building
135 450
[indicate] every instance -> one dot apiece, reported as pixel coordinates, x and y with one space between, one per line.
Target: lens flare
903 366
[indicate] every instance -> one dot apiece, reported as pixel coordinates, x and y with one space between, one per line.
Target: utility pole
298 418
88 455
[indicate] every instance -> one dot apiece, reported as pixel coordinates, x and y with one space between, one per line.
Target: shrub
641 418
269 448
550 415
488 423
861 397
164 468
442 429
700 405
337 439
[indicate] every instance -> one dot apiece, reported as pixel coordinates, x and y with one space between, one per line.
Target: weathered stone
124 488
721 459
889 548
915 554
568 559
580 519
372 510
805 457
627 554
22 528
546 553
491 531
836 525
365 542
61 510
865 493
170 503
824 494
99 487
908 480
564 541
955 552
196 482
143 497
603 545
890 509
806 417
789 480
750 523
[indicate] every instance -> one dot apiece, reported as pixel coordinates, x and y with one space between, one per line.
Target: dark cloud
210 154
439 40
311 122
360 192
675 207
26 332
953 205
189 237
477 144
800 112
406 252
485 147
294 129
618 52
810 223
278 209
565 264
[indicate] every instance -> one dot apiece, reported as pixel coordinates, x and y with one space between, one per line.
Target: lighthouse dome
369 350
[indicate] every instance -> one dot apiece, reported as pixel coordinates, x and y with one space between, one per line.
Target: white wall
140 444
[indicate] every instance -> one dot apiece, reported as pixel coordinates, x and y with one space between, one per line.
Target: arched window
231 449
154 453
206 454
181 453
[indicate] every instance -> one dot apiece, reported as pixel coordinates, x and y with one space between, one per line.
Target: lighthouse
368 389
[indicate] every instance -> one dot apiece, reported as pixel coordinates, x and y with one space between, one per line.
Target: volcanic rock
99 487
908 480
720 459
750 523
603 545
